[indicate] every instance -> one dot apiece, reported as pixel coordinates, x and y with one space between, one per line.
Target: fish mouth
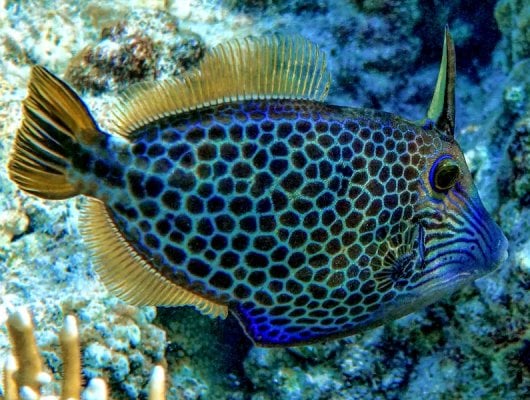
442 278
501 252
458 250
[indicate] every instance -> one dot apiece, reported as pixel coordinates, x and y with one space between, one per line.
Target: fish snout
499 251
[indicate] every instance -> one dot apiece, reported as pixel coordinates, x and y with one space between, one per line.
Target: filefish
237 188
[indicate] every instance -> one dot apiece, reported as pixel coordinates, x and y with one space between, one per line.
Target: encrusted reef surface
382 54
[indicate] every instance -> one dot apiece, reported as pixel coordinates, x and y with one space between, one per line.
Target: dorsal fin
271 67
442 108
126 274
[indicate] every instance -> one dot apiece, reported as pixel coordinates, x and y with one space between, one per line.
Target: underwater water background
382 54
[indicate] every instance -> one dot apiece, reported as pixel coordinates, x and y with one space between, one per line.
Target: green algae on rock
513 18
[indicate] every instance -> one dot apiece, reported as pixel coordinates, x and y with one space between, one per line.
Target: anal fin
127 274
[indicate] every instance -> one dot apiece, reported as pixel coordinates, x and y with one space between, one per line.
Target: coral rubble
146 45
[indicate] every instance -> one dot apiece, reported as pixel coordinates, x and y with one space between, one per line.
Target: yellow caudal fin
54 120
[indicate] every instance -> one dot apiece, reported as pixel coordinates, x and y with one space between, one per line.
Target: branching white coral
23 372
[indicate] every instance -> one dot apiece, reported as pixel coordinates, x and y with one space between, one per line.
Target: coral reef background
383 54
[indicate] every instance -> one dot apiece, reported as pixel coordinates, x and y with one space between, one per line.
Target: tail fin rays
57 101
54 119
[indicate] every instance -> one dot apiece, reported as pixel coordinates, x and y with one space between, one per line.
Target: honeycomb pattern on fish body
278 208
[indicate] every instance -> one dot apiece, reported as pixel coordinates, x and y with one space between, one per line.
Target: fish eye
444 173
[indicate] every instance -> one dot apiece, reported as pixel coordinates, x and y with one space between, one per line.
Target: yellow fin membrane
442 108
128 275
273 67
54 118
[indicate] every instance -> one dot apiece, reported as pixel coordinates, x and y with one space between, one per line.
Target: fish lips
441 279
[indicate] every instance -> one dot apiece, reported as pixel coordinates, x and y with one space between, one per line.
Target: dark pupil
446 176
